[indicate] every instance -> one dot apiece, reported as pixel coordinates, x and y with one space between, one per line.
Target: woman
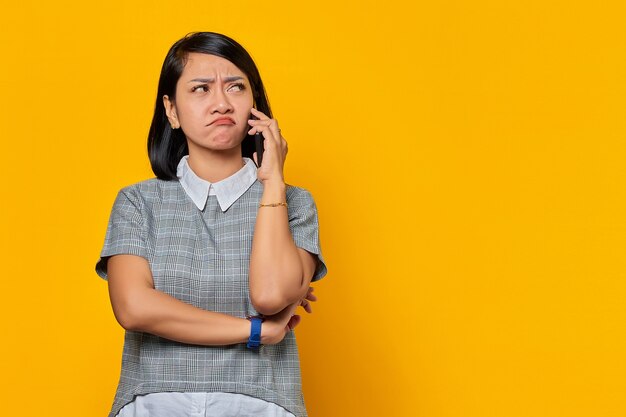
213 254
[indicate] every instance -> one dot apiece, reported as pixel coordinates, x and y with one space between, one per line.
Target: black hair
166 146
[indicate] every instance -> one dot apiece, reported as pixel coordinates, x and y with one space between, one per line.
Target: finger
293 322
272 124
310 296
255 126
254 158
285 314
264 129
275 129
292 308
256 129
259 114
307 306
264 122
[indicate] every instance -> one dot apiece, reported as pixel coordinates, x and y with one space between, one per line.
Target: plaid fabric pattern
202 258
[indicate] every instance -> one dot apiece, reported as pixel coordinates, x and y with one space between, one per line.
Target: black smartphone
258 144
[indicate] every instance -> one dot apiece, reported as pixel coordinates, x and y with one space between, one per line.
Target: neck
214 166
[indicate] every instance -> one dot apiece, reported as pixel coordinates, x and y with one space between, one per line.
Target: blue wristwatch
255 332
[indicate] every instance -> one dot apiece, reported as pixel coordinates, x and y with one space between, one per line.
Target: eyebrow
212 80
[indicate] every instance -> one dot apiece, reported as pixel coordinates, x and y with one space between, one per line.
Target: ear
170 112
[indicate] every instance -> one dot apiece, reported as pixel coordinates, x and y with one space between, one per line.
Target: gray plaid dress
202 257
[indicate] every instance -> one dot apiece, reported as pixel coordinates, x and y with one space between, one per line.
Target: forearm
276 271
158 313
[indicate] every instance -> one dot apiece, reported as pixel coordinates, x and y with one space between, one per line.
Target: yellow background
467 159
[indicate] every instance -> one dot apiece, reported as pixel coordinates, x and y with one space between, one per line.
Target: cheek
244 104
189 112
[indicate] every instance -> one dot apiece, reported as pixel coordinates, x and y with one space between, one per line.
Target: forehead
205 65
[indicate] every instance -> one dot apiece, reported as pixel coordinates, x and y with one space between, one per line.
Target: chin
224 145
220 142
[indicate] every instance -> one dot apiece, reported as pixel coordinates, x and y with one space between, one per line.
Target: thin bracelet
272 205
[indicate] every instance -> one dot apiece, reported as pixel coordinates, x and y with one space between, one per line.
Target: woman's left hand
308 298
275 145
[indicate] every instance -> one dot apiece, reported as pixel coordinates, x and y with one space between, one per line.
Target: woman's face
212 105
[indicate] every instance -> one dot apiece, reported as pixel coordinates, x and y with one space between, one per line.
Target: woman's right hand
275 327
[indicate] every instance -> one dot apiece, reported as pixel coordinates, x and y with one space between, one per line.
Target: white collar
227 190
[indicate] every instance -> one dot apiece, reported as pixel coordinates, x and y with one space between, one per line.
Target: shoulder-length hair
166 146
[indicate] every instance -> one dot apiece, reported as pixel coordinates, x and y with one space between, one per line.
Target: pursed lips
222 121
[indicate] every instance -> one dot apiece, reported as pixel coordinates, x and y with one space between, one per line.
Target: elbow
129 317
128 323
269 300
272 290
268 303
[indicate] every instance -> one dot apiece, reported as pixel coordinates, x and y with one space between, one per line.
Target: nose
221 104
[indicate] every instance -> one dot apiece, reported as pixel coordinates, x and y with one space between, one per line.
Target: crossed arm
280 277
280 272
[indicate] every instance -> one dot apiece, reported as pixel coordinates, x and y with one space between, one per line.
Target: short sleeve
125 231
304 227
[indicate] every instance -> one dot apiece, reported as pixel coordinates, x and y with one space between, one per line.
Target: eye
203 87
237 87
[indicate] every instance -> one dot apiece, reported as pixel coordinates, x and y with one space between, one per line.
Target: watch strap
254 341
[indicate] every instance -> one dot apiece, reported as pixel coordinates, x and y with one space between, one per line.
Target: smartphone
258 144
